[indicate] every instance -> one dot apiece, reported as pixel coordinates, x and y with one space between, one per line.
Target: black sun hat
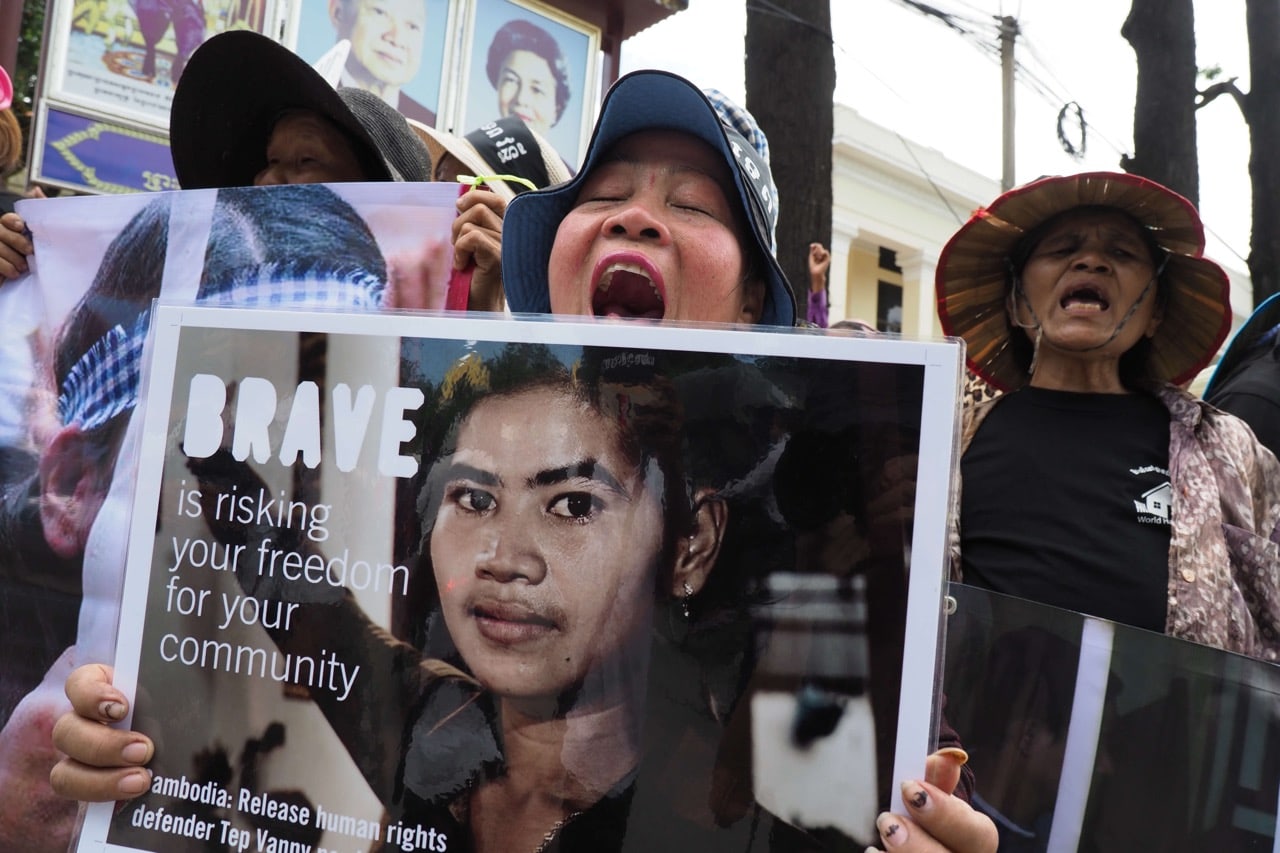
972 277
235 87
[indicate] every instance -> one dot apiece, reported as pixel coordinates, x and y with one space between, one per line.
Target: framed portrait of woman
399 48
535 62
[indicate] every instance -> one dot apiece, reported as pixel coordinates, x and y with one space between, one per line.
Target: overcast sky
939 88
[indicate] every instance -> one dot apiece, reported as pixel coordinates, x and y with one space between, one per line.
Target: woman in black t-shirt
1096 483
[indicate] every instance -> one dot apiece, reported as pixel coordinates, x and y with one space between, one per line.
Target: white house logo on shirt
1154 505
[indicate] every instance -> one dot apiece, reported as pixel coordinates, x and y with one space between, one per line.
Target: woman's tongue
623 293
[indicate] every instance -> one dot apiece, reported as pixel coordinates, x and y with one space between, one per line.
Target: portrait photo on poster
74 333
529 61
386 571
398 48
124 58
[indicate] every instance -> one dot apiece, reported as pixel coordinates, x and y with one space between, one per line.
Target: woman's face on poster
527 88
387 38
545 549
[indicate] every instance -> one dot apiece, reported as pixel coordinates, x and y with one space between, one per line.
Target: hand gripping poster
441 583
72 339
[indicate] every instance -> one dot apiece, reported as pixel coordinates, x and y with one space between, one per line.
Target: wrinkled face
305 148
527 88
654 234
1082 279
447 168
386 39
546 555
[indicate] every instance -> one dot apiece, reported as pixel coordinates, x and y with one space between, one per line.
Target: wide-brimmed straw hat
973 275
238 84
506 146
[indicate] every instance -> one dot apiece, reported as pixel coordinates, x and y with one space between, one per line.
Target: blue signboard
102 157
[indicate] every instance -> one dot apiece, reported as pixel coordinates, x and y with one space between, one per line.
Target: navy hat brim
1263 319
642 100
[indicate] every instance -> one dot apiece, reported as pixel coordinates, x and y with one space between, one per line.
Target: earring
684 602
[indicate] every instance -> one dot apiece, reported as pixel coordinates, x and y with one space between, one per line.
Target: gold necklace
555 830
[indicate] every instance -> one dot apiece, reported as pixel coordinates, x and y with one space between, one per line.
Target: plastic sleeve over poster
71 355
1077 724
427 583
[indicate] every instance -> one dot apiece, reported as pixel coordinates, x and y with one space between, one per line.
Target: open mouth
1085 299
627 289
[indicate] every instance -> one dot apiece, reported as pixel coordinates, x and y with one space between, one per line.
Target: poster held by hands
380 563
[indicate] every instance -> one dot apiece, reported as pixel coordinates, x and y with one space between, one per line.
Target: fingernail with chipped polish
914 795
892 830
112 710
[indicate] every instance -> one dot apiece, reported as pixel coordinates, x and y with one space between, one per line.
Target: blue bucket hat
647 100
1259 331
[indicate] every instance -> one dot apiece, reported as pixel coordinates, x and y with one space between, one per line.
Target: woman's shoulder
1221 434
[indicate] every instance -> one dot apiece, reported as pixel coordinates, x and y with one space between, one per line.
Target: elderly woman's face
527 88
546 552
1081 281
306 148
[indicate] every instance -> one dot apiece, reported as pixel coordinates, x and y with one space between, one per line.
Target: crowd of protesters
1084 300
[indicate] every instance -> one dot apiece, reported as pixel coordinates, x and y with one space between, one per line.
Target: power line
972 29
764 7
928 177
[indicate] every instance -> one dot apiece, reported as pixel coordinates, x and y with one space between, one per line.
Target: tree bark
1261 108
1162 33
791 80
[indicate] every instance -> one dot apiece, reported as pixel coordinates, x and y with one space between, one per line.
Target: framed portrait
400 49
375 559
122 58
107 82
529 60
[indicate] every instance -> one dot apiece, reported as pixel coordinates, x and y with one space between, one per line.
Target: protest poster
1086 734
69 455
661 588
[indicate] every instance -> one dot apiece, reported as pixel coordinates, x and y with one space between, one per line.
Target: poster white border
941 362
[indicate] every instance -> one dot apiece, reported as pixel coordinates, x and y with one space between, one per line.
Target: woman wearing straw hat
1095 483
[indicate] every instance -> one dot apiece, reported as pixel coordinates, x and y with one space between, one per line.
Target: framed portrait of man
532 61
398 47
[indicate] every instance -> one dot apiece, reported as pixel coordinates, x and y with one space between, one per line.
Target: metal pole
1008 34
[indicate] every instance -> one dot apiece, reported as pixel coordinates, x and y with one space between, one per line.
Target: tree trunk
1162 33
1262 113
791 80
